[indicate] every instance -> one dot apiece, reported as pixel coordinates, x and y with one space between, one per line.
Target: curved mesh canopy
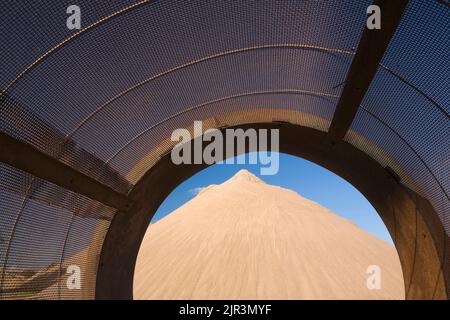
104 99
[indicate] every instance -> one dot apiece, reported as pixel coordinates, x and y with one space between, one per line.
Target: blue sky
304 177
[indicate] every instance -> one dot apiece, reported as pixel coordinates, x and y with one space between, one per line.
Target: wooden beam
371 49
29 159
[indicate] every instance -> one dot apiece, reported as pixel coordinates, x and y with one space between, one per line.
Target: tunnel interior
86 117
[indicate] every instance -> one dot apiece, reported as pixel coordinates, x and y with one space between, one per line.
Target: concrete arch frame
418 234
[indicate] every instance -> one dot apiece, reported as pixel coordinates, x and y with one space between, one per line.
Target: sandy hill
245 239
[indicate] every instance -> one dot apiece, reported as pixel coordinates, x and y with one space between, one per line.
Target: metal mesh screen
182 55
297 108
44 229
405 112
21 46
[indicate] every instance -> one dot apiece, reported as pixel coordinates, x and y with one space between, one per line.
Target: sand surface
245 239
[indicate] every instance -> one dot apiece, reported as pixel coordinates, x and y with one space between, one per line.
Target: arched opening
230 232
414 226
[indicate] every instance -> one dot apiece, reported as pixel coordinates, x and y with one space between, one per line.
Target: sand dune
245 239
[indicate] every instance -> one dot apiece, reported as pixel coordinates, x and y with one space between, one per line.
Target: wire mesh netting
44 229
405 112
90 90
